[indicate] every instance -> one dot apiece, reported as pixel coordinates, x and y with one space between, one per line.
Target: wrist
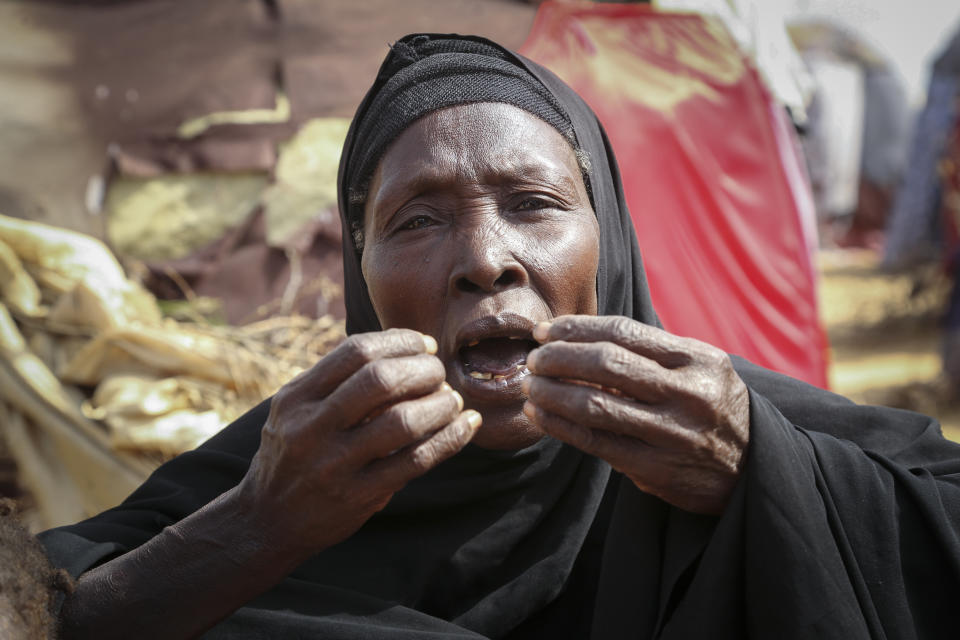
249 536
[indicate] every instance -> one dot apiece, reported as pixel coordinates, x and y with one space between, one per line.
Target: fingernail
532 359
459 399
525 385
528 409
474 419
542 331
429 343
445 386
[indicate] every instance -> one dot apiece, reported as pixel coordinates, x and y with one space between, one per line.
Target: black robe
844 524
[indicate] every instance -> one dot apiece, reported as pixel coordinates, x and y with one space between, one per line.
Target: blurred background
169 238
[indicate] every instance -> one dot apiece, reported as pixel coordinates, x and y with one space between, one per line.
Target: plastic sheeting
711 172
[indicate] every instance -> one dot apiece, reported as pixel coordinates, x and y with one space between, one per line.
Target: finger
665 474
398 469
379 384
622 452
358 350
606 364
665 348
596 409
404 424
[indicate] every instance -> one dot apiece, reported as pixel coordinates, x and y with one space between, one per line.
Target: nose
486 265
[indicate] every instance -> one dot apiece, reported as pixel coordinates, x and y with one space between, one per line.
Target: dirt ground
885 335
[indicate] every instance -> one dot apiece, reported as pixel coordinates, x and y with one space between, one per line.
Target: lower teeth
477 375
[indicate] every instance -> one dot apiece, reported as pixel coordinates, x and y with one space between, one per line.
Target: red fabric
711 174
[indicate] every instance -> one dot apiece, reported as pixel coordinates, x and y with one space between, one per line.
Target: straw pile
90 341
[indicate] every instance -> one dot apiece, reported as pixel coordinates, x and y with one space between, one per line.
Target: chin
506 428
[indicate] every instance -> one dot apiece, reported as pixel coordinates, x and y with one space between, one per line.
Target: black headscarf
424 73
822 537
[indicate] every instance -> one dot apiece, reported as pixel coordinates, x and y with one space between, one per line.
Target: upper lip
502 325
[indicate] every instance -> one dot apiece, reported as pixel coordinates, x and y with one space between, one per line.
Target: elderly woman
624 482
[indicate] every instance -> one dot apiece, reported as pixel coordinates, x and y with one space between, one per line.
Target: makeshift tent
711 172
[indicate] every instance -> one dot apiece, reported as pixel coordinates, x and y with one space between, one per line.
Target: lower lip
502 389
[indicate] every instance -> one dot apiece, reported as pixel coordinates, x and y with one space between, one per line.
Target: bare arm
340 440
181 582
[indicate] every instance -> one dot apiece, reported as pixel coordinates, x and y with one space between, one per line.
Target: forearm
329 457
181 582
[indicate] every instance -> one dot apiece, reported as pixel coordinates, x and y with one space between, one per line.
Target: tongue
498 356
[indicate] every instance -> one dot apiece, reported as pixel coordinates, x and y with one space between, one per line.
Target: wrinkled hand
344 436
668 412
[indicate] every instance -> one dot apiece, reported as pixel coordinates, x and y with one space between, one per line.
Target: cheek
394 278
585 274
567 264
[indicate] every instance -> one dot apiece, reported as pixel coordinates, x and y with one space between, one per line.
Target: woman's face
477 226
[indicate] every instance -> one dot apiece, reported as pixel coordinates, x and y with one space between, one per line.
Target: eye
534 203
416 222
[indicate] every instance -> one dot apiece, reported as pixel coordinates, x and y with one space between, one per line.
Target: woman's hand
344 436
668 412
340 439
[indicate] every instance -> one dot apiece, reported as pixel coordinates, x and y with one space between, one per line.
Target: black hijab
823 537
482 71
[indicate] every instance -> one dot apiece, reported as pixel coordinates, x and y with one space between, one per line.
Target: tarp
711 172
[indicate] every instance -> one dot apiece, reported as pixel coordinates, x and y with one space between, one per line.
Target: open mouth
489 359
496 358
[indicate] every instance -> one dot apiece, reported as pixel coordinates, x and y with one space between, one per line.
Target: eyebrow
428 180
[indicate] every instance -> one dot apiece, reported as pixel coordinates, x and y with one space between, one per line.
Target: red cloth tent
711 172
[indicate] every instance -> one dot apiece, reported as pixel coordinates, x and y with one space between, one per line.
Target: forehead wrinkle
474 142
531 161
466 177
455 147
425 162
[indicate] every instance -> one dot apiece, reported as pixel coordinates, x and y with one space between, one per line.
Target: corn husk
27 366
94 291
17 289
90 342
